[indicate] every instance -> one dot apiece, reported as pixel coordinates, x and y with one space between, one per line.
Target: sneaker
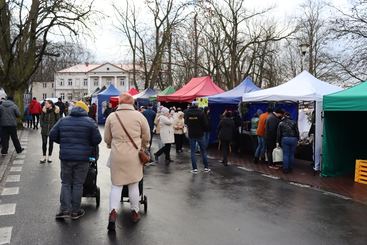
43 160
4 154
21 150
62 215
77 215
135 217
49 159
273 167
194 171
112 220
207 170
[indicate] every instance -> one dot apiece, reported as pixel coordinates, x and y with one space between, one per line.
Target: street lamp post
304 48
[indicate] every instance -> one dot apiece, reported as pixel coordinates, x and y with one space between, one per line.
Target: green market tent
167 91
345 137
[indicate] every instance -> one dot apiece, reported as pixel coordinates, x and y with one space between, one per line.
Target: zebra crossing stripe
7 209
5 235
8 191
13 178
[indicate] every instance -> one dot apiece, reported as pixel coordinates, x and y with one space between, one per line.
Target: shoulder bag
144 156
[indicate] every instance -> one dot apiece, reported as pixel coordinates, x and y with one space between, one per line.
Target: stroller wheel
145 202
98 197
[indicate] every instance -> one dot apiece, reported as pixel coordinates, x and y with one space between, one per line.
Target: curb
5 161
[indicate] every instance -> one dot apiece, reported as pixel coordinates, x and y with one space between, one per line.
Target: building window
52 95
44 96
61 82
96 82
44 85
70 82
85 94
52 85
108 68
122 82
108 82
62 95
70 96
85 82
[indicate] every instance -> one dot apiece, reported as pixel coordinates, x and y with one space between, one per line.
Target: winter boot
112 220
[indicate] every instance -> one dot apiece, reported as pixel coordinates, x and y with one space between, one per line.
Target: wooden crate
360 175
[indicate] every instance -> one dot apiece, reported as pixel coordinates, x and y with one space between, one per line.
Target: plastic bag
278 154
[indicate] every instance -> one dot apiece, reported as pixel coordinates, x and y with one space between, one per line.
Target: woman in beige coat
125 165
166 133
179 126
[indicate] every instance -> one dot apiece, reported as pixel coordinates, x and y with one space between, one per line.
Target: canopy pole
318 136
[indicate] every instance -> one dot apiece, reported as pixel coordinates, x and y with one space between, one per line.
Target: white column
115 82
100 82
89 86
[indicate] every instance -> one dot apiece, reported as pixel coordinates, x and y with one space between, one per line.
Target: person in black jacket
61 106
78 136
226 130
197 124
288 136
271 129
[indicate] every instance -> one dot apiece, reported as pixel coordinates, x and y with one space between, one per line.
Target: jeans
166 149
289 145
179 138
204 157
225 149
7 133
73 175
260 150
44 145
206 139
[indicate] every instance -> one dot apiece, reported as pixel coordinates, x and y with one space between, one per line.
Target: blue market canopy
145 94
234 96
102 99
143 98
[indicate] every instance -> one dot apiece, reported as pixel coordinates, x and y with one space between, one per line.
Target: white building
81 80
43 90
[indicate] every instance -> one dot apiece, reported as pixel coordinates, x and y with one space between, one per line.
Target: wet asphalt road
226 206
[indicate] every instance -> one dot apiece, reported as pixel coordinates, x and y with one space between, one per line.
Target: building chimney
87 63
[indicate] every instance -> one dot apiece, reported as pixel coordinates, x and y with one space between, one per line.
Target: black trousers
151 140
270 146
7 133
179 138
35 119
166 149
225 149
44 145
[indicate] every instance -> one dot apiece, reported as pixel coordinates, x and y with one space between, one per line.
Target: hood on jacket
57 109
78 112
7 103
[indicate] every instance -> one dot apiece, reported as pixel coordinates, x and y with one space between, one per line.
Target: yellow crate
360 174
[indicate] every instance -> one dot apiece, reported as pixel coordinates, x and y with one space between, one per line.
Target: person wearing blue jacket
78 136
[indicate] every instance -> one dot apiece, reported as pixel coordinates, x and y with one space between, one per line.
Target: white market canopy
303 87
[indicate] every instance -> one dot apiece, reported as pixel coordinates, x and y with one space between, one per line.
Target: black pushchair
143 198
90 188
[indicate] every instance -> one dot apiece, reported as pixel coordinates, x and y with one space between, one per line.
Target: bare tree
350 28
25 29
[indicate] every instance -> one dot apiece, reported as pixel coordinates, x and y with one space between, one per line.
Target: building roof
84 68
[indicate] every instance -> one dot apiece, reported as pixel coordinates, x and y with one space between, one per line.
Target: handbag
144 155
278 154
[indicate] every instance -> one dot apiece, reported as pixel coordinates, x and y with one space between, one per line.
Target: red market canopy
133 91
115 100
197 87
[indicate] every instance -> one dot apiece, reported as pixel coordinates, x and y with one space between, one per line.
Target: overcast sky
108 45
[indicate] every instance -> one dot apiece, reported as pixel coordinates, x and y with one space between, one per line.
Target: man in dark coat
150 115
271 128
78 136
226 131
9 112
61 106
197 124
